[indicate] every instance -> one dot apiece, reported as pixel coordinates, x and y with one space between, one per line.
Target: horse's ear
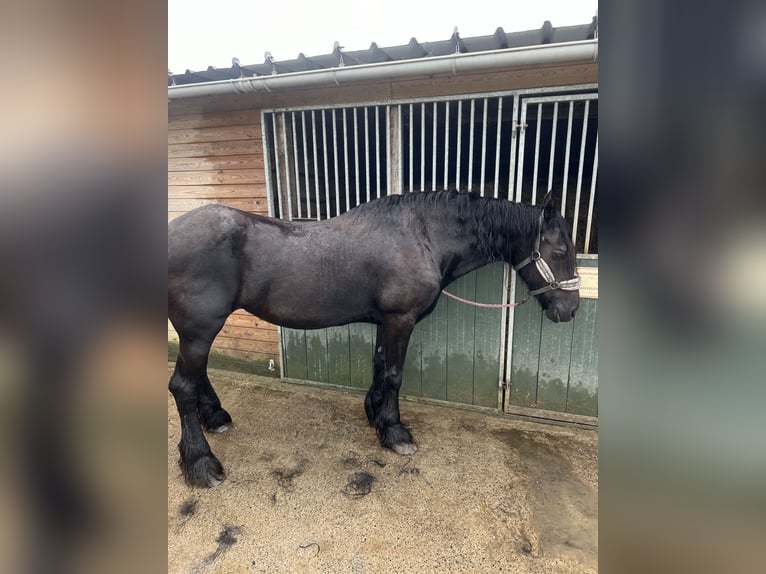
549 209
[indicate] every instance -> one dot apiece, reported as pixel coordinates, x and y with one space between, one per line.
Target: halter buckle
554 285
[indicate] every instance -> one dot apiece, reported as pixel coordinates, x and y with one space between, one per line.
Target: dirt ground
309 489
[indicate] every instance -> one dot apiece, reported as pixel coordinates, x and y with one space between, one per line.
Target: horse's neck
486 241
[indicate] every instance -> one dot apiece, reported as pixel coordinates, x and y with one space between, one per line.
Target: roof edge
452 64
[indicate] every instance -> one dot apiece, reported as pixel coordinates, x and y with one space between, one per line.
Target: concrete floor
309 489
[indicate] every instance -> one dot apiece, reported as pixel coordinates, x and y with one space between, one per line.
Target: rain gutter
453 64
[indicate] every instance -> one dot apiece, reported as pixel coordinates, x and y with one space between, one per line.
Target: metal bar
553 145
267 161
367 151
497 145
297 169
335 161
411 122
564 98
537 152
275 146
433 155
377 151
328 212
470 147
446 145
316 165
592 196
514 141
566 160
496 93
345 160
503 330
483 147
522 137
389 151
511 290
422 147
579 172
287 171
399 154
459 143
356 153
551 417
306 166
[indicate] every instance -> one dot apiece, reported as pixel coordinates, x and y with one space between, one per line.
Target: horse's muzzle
559 315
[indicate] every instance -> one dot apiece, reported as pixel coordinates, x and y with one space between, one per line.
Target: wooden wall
215 155
218 158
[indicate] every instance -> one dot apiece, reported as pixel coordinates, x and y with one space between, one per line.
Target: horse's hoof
219 421
404 448
398 438
205 472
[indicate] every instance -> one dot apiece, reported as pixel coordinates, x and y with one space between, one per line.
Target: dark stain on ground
225 540
310 545
188 508
560 502
409 469
359 485
285 477
350 460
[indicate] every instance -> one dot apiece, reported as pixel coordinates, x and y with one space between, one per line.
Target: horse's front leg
375 395
383 399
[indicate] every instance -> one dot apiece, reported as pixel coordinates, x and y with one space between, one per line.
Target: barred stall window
512 145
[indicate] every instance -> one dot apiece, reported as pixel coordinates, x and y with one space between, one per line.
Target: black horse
384 262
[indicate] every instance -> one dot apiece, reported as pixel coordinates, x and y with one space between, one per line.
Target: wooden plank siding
218 158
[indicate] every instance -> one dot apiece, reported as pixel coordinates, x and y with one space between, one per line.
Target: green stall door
554 366
454 354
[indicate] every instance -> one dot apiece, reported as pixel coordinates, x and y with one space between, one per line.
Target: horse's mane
498 221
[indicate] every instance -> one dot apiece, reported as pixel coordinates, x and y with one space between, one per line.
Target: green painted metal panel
294 349
461 324
582 395
411 376
554 366
454 354
525 356
317 368
361 342
487 331
553 369
338 359
433 352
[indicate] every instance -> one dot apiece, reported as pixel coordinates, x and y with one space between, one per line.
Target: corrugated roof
547 34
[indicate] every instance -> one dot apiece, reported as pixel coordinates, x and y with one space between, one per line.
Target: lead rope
486 305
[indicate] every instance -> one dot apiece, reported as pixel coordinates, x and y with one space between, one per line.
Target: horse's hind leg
383 398
198 464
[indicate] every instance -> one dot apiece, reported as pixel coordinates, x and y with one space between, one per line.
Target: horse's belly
303 307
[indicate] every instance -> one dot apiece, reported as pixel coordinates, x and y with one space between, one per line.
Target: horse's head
550 270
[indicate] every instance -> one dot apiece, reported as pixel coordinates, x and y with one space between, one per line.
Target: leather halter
544 269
